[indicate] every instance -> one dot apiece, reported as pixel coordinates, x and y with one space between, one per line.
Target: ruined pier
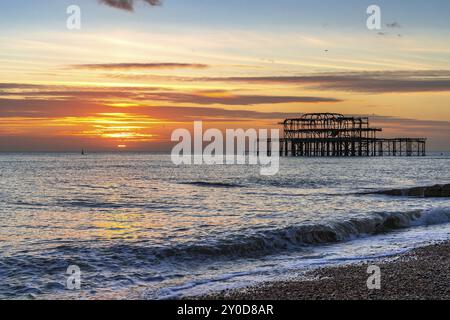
336 135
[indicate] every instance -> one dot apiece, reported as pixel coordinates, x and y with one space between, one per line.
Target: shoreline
422 273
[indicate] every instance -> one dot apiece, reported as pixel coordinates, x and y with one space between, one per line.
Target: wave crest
296 237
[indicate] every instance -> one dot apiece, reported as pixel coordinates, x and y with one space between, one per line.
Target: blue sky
261 14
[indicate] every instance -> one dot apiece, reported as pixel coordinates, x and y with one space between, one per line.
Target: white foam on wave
427 226
432 217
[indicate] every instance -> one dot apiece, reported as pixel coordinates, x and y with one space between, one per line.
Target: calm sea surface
139 227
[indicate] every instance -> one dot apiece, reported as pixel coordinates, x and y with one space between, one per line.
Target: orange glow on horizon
252 79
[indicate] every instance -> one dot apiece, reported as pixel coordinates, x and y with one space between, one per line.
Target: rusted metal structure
336 135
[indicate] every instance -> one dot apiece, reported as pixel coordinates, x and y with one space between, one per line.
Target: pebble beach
421 274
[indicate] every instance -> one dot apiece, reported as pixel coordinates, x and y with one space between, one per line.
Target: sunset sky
132 75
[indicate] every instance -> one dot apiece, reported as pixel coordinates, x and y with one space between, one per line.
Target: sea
135 226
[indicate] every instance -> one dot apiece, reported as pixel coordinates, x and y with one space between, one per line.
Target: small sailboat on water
83 152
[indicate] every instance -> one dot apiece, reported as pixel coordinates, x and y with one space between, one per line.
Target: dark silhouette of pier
336 135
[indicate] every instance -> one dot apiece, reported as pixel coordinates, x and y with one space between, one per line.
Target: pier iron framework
336 135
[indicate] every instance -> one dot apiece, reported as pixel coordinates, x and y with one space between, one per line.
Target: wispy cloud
363 82
234 99
152 94
393 25
139 66
74 114
358 82
4 86
24 125
127 4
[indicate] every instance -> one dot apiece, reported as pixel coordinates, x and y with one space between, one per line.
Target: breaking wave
271 241
248 245
93 259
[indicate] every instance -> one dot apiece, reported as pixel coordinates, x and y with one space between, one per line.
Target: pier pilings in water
353 148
